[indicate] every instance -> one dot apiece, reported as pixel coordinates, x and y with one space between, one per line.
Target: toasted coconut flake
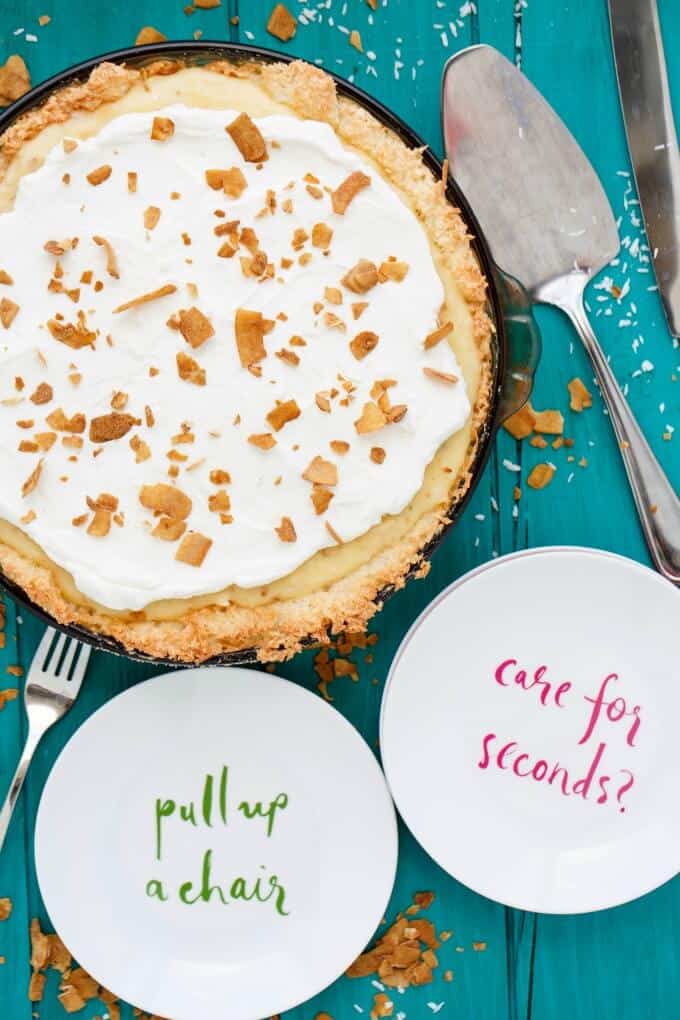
362 277
189 369
521 424
99 175
36 986
132 182
433 338
5 278
322 235
107 427
219 502
28 446
143 299
42 394
27 518
580 397
284 412
60 248
141 449
31 482
193 549
167 500
15 81
434 373
250 328
255 265
162 128
540 476
263 440
333 321
100 525
290 357
320 498
392 269
321 472
169 529
248 139
354 40
282 24
58 421
286 530
226 250
195 327
396 413
372 419
358 309
322 400
151 217
233 182
111 263
8 312
220 477
549 422
300 238
348 190
363 343
149 34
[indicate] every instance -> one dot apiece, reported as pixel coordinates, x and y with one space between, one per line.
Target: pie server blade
547 221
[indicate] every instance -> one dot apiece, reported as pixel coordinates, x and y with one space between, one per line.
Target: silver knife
652 141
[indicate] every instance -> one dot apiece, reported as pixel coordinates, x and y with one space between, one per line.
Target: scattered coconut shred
538 424
76 986
282 24
15 80
404 957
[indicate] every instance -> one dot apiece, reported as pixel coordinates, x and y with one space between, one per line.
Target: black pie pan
516 343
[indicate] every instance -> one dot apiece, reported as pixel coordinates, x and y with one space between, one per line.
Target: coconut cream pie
244 358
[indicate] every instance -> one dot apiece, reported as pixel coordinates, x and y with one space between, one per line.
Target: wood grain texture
615 965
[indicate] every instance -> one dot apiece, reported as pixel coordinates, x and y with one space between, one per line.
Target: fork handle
7 809
657 504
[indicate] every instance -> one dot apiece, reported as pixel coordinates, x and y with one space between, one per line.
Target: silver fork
52 685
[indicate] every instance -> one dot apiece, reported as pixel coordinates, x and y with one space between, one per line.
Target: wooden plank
14 973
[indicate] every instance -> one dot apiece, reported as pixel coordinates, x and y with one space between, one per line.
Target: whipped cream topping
134 355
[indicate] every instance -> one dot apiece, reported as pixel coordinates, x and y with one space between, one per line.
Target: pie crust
340 588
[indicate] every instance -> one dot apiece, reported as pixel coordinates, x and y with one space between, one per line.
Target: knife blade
652 141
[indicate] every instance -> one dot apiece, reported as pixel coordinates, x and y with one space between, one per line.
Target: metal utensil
52 686
652 141
549 223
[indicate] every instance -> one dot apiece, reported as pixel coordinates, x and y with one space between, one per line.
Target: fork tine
43 650
68 659
53 666
80 667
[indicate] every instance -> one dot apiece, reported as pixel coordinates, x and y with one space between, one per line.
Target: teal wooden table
622 963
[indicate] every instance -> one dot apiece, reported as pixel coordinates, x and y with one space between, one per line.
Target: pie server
548 221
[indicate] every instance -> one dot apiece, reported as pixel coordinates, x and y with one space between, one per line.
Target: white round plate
196 892
529 730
